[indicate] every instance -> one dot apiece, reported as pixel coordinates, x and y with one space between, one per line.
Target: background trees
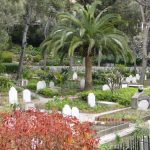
88 33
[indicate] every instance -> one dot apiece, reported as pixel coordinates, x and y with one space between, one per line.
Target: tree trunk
46 31
24 38
145 57
88 73
45 59
71 63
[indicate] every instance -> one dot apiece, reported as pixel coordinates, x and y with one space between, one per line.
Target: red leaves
38 130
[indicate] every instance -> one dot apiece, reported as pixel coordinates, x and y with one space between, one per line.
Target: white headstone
26 96
41 85
13 96
124 85
75 76
128 80
145 77
137 77
105 87
75 112
130 77
134 80
143 105
66 110
82 84
91 100
51 84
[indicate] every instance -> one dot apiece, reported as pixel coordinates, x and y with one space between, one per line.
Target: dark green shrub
48 92
2 68
5 83
32 85
122 96
7 57
37 58
11 67
27 73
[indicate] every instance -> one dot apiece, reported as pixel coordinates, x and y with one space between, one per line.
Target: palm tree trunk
71 63
88 73
24 38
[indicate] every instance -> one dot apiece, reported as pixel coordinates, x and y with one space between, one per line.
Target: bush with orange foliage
32 130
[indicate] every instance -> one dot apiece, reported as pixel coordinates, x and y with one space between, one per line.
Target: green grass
82 106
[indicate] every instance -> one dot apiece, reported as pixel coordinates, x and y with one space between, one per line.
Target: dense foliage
37 130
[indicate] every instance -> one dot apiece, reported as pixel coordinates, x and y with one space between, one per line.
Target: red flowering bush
43 131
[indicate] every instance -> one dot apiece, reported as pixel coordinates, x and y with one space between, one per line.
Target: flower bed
38 130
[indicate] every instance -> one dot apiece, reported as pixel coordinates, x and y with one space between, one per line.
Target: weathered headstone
137 77
13 96
143 105
66 110
24 82
82 84
75 76
26 96
41 85
91 100
140 100
75 112
105 87
51 84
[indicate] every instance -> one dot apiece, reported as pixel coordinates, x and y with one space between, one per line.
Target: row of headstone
42 84
13 96
134 79
74 112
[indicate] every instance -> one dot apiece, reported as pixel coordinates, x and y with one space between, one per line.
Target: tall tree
88 33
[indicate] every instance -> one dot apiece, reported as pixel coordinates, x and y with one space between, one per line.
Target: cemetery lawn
131 115
81 105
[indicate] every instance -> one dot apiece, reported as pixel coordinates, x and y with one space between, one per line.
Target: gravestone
51 84
66 110
75 76
26 96
133 80
41 85
128 80
75 112
105 87
137 77
145 77
91 100
82 84
140 100
13 96
24 82
143 105
130 77
124 85
29 106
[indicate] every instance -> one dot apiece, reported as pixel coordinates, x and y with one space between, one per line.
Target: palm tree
87 32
